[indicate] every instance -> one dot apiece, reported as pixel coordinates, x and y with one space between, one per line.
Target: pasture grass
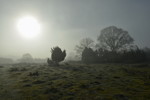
75 82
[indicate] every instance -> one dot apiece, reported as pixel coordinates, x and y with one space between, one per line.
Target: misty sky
66 22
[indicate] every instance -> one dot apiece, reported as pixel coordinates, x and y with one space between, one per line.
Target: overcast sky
66 22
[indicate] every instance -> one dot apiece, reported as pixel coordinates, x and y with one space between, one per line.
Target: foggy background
65 22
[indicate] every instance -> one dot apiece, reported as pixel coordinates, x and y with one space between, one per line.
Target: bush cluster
105 56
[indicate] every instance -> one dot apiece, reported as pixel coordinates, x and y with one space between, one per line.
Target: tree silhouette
147 51
89 56
57 55
114 39
26 58
85 42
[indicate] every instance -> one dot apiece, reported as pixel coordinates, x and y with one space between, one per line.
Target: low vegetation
75 82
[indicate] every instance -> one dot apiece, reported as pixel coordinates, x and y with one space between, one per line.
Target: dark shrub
57 55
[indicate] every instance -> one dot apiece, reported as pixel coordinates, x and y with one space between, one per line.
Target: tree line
115 45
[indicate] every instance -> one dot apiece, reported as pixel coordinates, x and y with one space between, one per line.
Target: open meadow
75 82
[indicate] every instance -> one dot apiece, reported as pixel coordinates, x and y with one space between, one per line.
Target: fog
65 22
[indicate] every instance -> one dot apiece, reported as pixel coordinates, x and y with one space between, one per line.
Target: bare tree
114 39
84 43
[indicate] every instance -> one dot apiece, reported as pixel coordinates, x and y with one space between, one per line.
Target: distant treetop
114 39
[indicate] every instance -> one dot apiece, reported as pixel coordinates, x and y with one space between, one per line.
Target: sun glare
28 27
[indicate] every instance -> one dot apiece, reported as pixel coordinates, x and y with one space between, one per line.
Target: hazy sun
28 26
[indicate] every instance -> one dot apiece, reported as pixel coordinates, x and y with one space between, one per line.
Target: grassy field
75 82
